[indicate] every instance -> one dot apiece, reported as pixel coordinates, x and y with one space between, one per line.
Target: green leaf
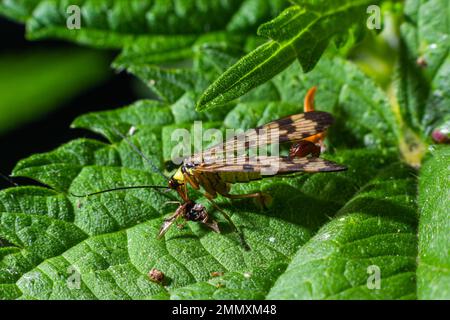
342 93
109 240
293 36
425 35
170 84
252 12
422 74
325 236
143 28
343 90
33 84
144 112
174 48
375 229
114 265
18 10
121 247
433 271
120 21
363 114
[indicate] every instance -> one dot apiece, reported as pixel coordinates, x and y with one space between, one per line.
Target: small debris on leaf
132 131
156 275
421 62
441 134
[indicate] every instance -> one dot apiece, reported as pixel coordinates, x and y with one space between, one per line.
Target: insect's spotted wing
299 126
274 165
289 129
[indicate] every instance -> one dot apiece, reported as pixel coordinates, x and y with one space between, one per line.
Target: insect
208 171
216 177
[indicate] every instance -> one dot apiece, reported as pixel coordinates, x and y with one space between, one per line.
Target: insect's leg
172 202
262 198
182 192
226 216
191 181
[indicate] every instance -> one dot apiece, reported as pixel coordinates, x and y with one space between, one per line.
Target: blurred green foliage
34 83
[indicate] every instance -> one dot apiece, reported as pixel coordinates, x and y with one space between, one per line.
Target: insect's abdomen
235 177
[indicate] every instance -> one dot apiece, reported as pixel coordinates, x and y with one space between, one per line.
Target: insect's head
196 212
173 184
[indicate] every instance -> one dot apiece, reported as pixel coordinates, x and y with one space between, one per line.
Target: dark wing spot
285 121
324 118
332 167
290 129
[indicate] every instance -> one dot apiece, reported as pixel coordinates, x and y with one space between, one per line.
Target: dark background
53 129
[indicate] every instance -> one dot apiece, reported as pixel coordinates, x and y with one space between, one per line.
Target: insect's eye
189 165
173 184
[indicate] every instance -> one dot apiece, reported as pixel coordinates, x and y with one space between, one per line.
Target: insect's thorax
178 176
185 169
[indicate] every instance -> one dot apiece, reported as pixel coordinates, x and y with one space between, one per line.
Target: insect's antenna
118 189
139 152
8 179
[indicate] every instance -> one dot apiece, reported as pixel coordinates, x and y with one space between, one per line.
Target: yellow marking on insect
178 176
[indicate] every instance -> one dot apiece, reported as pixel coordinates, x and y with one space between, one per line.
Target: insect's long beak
181 189
212 224
169 221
